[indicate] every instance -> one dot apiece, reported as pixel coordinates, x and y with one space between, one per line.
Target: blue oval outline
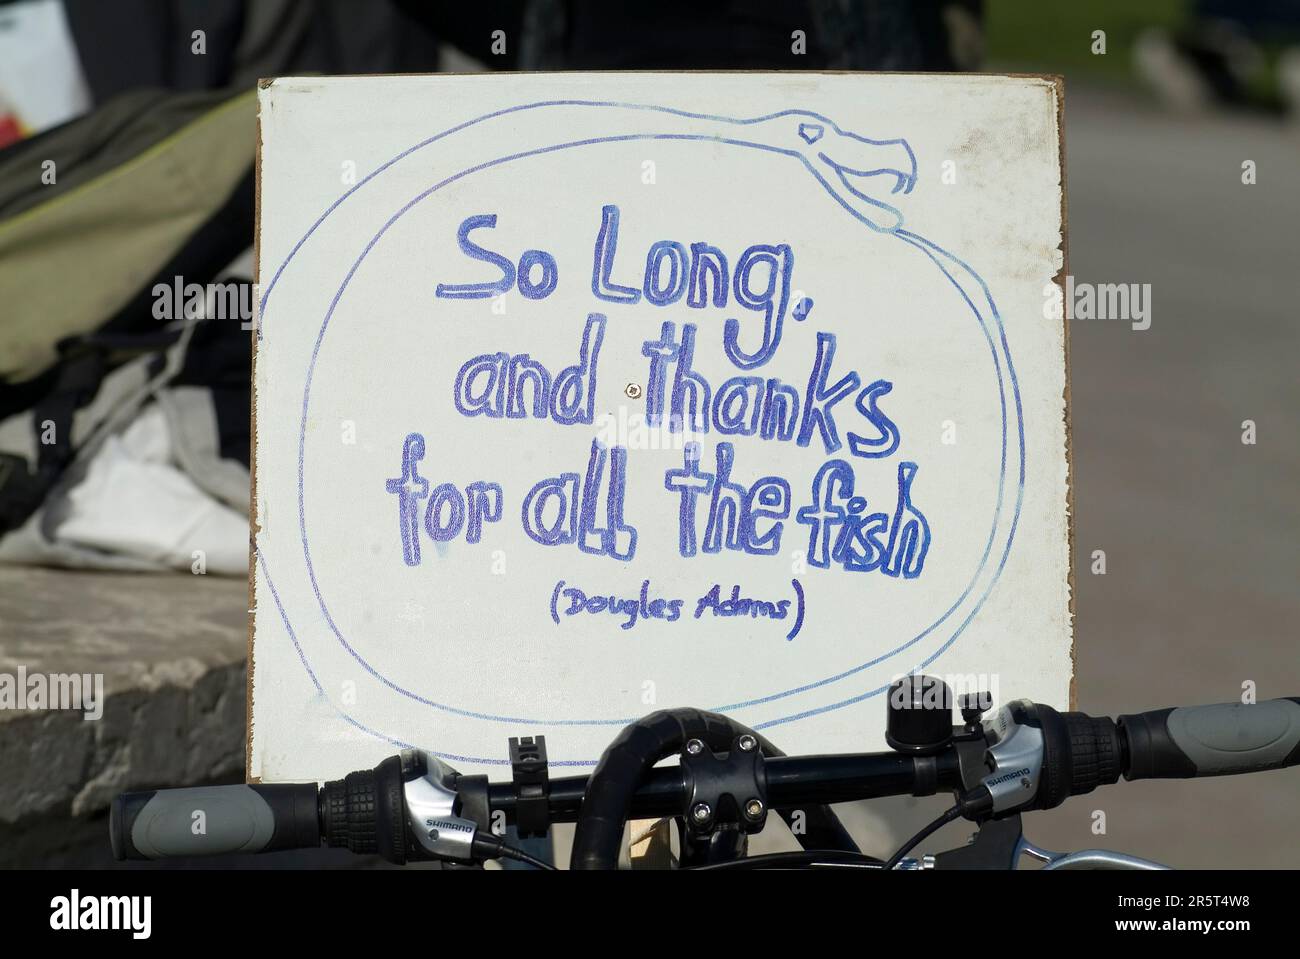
926 247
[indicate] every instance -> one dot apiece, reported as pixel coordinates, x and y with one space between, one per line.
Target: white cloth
135 502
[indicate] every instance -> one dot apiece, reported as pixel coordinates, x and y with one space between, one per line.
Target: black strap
23 485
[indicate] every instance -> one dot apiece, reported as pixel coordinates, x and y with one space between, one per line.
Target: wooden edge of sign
253 526
1058 83
1054 78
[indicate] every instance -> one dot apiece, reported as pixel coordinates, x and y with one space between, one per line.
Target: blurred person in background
1227 53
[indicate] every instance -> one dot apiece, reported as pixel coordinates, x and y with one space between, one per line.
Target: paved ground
1201 533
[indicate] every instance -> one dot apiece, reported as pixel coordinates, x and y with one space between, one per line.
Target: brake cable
973 805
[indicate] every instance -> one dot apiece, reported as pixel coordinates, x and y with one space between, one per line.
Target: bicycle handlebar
1077 752
267 818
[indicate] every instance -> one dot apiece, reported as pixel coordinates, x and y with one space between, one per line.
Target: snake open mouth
903 179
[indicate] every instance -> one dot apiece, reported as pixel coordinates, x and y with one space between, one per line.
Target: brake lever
1086 858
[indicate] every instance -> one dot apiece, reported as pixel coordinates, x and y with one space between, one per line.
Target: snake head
867 170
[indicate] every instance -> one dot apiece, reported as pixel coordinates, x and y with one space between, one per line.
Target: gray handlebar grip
1212 740
211 820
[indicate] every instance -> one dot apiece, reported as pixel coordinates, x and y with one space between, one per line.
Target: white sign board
580 396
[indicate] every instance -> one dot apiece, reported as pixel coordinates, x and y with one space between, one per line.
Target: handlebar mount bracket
726 789
532 785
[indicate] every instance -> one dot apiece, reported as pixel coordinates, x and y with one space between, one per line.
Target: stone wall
172 651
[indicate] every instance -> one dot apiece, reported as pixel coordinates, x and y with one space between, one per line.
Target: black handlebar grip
1080 753
1215 740
211 820
1095 752
365 812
